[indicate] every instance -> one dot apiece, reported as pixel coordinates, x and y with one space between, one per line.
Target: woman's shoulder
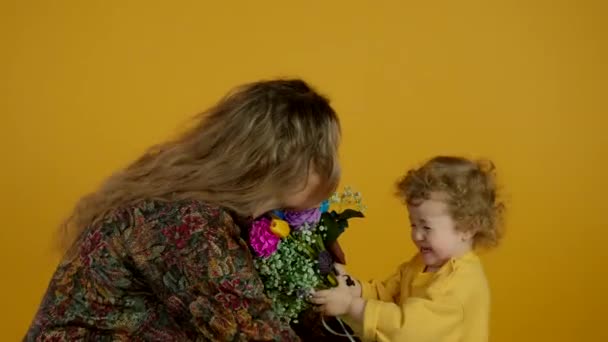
154 209
170 212
150 217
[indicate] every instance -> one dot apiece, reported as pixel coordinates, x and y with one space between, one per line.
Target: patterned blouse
159 272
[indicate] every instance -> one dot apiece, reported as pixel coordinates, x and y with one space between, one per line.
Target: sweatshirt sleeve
418 319
386 290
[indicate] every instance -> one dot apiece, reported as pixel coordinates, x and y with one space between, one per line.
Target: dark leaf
333 228
350 213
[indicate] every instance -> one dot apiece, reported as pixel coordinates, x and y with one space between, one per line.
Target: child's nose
418 236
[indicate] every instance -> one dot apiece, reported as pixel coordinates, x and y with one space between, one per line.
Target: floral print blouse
159 272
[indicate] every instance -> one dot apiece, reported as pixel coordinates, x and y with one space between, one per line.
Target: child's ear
467 235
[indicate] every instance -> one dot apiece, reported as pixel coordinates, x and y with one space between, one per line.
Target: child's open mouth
425 250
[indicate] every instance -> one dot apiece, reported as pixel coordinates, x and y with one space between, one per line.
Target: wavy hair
250 147
472 194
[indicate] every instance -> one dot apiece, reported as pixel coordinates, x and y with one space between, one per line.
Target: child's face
434 233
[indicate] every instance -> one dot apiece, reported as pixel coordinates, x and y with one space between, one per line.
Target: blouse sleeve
203 272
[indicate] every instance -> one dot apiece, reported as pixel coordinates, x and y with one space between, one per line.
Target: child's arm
418 319
385 290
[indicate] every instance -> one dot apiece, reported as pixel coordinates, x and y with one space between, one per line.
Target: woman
159 254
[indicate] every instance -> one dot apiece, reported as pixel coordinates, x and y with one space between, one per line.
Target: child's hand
336 301
353 284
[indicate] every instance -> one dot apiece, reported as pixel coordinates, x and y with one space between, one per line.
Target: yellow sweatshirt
451 304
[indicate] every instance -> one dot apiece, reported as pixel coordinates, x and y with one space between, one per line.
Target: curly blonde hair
470 191
251 147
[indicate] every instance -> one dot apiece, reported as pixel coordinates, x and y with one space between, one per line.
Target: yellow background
85 86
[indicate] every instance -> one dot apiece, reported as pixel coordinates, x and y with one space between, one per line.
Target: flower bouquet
295 250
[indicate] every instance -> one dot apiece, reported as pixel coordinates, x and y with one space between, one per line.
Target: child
442 293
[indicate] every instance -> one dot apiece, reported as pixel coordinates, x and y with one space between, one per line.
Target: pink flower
261 239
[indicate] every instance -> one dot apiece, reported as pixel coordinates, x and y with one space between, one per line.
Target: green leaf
332 280
343 224
337 223
333 229
350 213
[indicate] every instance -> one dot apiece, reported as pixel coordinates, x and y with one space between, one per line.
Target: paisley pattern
159 272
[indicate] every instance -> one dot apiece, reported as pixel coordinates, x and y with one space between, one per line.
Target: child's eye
427 228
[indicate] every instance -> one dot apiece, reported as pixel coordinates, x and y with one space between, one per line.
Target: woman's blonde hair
470 190
253 146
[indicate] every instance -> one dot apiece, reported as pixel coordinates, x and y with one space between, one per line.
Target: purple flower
297 219
326 263
261 239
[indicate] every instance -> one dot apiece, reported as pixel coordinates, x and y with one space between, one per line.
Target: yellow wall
85 86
